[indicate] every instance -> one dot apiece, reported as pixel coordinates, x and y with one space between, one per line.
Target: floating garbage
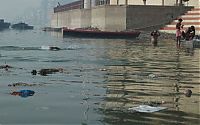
146 108
23 84
45 72
103 69
54 48
154 103
23 93
6 67
152 76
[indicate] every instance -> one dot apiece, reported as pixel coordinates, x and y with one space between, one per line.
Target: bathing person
154 37
189 34
192 33
186 34
188 93
33 72
179 26
54 48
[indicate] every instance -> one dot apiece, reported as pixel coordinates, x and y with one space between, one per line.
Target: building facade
87 4
147 2
114 15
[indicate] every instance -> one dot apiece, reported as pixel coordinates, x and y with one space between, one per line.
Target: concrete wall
53 22
72 19
117 18
60 19
147 16
113 2
75 17
109 18
98 17
87 4
86 18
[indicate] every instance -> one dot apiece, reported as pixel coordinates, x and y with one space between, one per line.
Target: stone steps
196 9
184 27
192 13
197 24
174 28
190 18
187 16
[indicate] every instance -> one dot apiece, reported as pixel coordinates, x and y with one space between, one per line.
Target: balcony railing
70 6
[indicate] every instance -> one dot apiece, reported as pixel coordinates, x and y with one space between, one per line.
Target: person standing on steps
179 27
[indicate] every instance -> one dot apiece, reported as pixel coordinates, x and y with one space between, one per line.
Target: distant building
87 4
69 6
148 2
116 15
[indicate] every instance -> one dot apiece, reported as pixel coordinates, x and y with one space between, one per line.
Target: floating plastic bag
23 93
146 108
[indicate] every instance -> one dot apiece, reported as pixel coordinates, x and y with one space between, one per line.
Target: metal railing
70 6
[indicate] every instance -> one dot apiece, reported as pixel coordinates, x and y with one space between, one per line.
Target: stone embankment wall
142 17
117 18
110 18
72 19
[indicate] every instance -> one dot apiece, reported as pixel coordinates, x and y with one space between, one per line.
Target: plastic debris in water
23 84
6 67
23 93
152 76
44 72
146 108
50 48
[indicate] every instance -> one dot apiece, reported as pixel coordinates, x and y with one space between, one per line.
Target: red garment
178 33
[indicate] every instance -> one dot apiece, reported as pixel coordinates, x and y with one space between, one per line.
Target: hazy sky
9 9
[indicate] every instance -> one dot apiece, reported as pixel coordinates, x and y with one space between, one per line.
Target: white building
147 2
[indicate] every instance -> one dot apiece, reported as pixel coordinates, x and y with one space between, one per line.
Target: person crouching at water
154 37
192 33
189 34
179 26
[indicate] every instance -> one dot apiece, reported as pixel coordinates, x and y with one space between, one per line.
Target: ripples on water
101 80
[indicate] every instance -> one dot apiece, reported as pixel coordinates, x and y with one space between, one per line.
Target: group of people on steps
188 34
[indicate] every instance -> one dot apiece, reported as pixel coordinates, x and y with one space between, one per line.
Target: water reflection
109 75
140 74
56 34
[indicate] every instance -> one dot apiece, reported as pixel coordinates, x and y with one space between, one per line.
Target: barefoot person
179 26
154 37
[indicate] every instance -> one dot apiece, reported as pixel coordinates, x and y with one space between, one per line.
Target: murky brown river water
101 79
